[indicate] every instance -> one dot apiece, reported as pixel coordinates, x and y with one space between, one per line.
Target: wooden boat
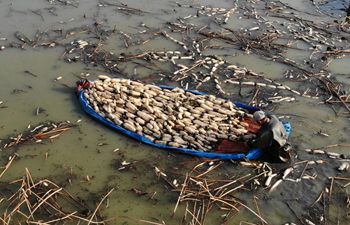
236 154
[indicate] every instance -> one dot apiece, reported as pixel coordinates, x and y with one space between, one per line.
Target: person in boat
82 84
271 138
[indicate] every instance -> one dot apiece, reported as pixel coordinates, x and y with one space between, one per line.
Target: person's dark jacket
271 134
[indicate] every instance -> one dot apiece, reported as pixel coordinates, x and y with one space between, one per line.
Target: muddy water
90 149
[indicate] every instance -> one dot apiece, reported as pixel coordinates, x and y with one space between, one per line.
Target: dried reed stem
99 204
7 165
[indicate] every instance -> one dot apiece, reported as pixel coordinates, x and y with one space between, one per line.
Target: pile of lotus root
173 117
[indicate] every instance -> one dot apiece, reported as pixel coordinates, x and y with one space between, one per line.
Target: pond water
90 148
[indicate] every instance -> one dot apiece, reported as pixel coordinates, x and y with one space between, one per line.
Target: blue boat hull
252 154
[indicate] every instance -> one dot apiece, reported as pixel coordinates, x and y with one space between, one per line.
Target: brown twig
98 206
181 192
7 165
252 211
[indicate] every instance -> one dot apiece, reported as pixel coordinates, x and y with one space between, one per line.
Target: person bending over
272 137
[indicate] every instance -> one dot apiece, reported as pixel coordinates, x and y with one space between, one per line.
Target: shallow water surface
87 159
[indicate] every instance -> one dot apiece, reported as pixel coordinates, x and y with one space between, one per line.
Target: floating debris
44 202
58 78
49 130
344 166
200 191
